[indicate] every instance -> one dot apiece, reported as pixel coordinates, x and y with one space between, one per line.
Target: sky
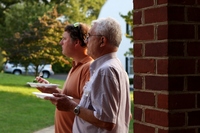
113 8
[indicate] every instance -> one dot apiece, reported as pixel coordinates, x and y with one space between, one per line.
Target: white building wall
113 8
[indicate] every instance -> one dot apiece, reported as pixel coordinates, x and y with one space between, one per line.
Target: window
129 29
129 66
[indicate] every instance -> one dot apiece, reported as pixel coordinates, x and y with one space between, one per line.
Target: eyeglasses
89 35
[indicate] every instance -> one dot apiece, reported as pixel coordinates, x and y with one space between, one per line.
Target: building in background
113 8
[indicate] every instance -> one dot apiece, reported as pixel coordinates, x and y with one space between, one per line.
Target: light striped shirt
107 94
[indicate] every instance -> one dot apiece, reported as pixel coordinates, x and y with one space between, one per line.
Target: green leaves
129 20
30 31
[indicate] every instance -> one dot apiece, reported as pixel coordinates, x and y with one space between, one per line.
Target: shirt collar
99 61
83 61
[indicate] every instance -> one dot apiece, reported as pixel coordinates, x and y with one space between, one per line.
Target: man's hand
41 80
62 102
45 89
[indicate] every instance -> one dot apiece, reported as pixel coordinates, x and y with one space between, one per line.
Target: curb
46 130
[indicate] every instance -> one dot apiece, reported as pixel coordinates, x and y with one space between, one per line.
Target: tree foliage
80 10
129 20
18 18
1 61
30 31
7 4
37 44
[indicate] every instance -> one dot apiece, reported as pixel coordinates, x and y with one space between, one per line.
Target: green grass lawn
23 112
20 110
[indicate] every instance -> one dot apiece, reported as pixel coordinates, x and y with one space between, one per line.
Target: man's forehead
65 34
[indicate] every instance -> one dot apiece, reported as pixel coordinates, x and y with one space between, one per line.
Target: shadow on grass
22 113
16 85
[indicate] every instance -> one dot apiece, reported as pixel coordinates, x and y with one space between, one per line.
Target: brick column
166 66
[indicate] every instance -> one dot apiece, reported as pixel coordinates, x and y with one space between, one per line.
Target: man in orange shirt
73 46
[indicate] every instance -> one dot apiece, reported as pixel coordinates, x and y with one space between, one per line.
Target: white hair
109 28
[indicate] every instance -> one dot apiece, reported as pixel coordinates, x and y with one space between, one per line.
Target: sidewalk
59 76
46 130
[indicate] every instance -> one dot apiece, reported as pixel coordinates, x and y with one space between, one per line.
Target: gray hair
109 28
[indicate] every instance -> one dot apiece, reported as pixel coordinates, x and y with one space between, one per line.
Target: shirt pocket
86 99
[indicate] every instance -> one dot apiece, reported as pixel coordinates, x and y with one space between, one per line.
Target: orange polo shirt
78 75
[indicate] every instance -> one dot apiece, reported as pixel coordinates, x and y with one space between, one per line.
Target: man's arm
63 103
88 115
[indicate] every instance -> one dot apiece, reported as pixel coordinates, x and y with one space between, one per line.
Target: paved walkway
46 130
59 76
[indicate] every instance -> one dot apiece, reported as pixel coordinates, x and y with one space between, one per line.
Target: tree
6 4
39 43
76 10
129 20
1 61
18 18
32 38
80 10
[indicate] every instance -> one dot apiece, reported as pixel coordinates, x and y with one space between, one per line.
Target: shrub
59 68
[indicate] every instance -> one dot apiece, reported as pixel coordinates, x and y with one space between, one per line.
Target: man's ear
77 42
103 41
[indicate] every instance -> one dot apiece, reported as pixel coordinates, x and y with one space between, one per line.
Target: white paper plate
43 85
42 95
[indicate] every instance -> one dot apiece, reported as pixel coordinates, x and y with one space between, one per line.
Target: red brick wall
166 66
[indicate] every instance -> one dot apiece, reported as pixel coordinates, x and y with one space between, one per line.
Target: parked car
44 70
